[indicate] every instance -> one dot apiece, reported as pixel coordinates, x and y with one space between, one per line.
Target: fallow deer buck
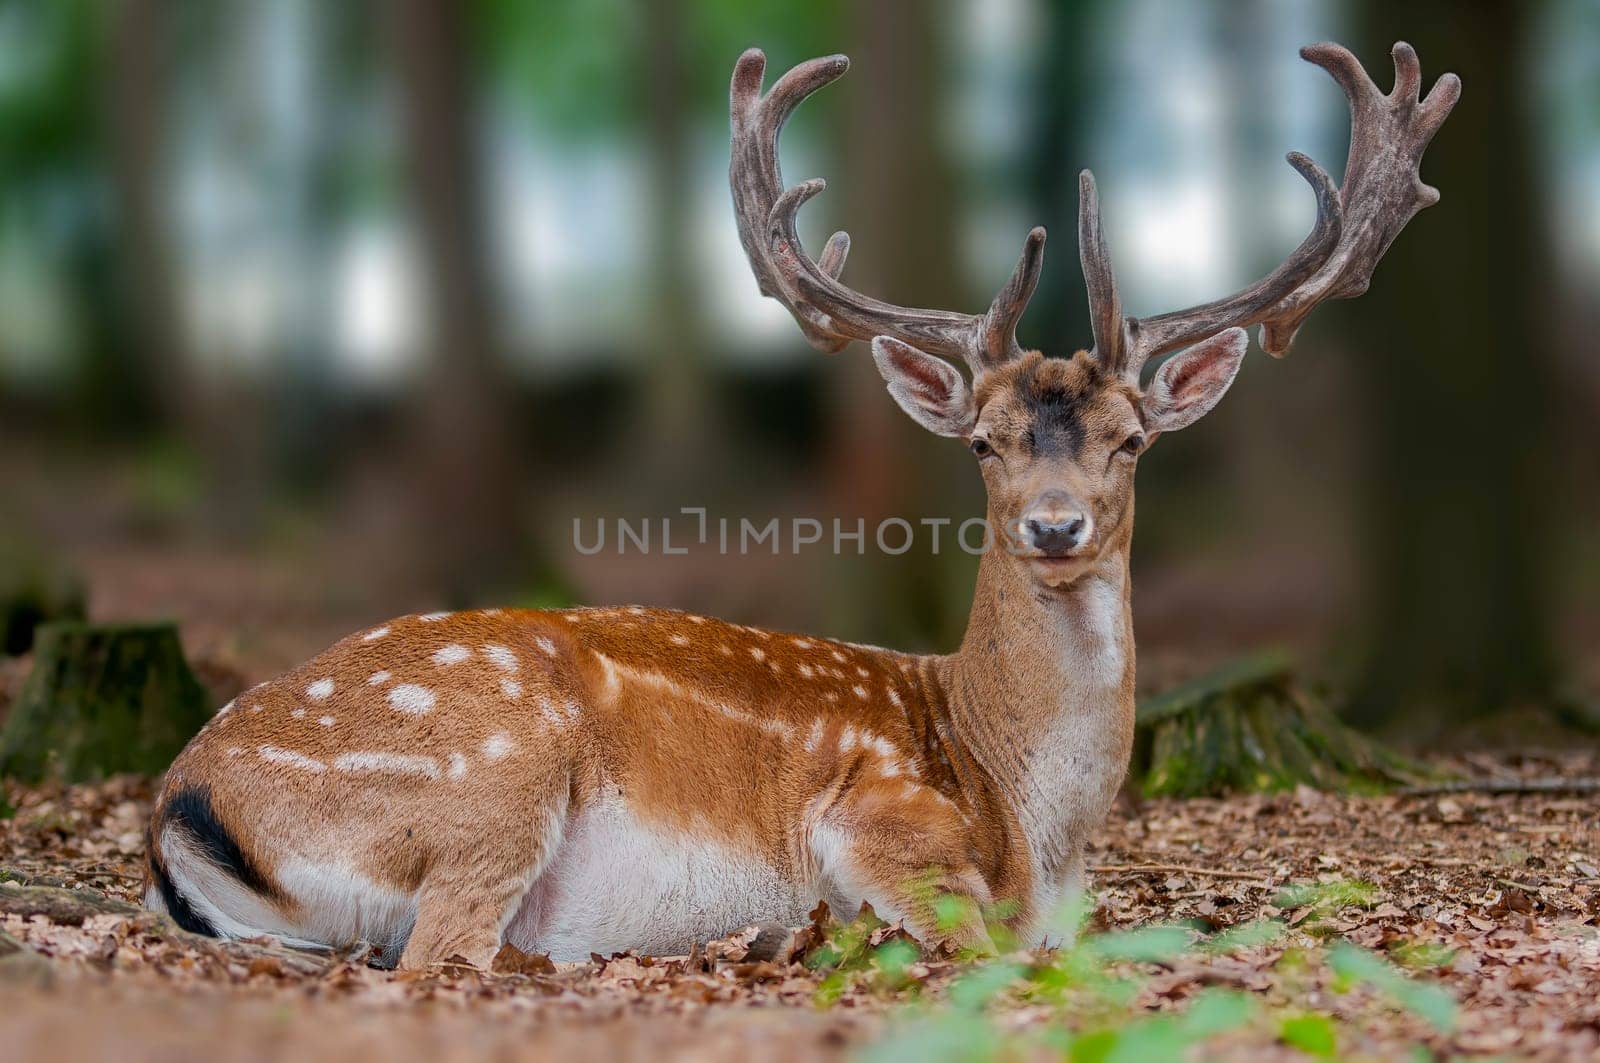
592 780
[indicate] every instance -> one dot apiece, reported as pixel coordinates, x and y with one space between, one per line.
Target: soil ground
1501 891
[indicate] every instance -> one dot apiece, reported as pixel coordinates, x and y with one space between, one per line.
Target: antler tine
1355 224
1382 189
1105 305
1154 336
998 333
829 313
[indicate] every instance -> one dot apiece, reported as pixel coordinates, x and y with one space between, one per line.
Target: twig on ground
1116 869
1582 785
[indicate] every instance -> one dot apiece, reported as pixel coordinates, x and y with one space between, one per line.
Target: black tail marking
190 810
178 906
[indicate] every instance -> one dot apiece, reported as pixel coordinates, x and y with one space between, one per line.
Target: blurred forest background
311 313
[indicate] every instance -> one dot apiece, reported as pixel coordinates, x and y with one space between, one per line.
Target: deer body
596 780
614 797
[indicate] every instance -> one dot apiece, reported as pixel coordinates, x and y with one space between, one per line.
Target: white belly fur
618 883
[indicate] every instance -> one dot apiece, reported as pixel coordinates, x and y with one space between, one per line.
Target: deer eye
981 447
1133 444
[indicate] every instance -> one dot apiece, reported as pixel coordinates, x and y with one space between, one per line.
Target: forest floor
1468 924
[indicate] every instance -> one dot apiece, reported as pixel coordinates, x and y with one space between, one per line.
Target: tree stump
102 699
1249 727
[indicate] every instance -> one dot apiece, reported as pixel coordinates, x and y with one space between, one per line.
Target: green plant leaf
1217 1011
1314 1035
1428 1001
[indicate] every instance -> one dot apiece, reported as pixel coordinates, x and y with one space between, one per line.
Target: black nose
1055 538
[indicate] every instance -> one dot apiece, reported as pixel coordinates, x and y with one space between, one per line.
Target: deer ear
930 389
1192 381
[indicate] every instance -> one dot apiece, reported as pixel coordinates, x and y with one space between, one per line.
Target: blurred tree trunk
465 521
139 55
677 399
1455 356
898 194
1058 318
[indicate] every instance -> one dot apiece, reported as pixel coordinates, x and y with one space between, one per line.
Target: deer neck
1041 693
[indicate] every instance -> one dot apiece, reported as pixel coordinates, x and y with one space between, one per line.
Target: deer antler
1355 224
829 313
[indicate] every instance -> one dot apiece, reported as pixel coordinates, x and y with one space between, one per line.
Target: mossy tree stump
1249 727
102 699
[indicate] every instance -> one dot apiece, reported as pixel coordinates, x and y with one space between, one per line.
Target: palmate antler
830 314
1355 225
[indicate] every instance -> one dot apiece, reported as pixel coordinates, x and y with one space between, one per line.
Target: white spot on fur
725 649
275 755
234 751
814 736
805 670
680 640
377 677
862 672
408 697
327 721
860 691
804 644
492 612
375 634
511 688
458 765
388 764
894 697
432 618
497 746
694 619
298 714
454 653
758 653
501 657
838 656
320 690
546 647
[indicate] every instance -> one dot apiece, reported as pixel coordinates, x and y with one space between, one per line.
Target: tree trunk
465 522
899 208
678 402
102 700
1458 392
1058 319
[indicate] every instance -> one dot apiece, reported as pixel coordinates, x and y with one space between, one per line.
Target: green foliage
1097 992
1356 965
1328 896
577 65
1314 1035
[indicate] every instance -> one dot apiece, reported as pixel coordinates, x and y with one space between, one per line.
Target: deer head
1058 439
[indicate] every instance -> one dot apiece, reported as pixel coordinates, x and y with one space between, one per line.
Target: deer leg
901 847
476 884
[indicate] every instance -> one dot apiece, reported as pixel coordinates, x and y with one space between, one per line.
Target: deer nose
1056 537
1055 526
